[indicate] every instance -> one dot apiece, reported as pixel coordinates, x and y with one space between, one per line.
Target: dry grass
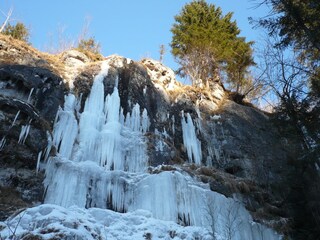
18 51
234 184
23 50
94 57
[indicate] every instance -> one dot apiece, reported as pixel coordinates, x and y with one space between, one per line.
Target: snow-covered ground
49 221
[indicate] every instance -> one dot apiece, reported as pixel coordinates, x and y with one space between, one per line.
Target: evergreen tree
297 23
205 42
18 31
237 67
90 45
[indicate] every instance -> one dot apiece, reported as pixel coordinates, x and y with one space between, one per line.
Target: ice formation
24 133
30 94
15 118
190 140
2 142
103 135
102 164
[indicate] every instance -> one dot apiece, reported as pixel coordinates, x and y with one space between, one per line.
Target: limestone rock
74 59
160 73
239 144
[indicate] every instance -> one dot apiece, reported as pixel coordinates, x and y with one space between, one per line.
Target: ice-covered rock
111 134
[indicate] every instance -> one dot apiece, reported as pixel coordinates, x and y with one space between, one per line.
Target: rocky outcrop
233 148
30 95
73 61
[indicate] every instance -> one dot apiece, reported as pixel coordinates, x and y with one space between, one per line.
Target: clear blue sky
133 29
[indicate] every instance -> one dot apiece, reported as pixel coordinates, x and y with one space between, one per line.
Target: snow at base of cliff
50 221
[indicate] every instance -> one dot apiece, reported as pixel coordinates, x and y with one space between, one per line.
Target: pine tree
205 42
18 31
297 23
90 45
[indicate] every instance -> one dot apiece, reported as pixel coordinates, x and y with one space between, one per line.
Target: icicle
116 84
48 148
24 132
66 127
145 121
110 144
2 142
190 140
173 122
133 120
121 117
30 94
145 90
92 120
38 161
15 119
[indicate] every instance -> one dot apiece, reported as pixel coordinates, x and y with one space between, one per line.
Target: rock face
29 99
235 149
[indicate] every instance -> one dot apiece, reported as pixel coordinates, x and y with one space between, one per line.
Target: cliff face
30 95
232 149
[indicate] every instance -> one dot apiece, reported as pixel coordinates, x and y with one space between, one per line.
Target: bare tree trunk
6 20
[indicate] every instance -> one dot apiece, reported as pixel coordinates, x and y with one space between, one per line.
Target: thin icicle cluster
24 133
3 142
15 118
30 94
190 140
66 127
3 139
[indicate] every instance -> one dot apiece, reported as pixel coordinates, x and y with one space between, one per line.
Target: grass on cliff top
19 49
94 57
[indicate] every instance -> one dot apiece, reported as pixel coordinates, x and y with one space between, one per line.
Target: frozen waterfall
102 162
102 135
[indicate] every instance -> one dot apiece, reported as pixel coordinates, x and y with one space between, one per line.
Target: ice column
66 127
102 134
190 140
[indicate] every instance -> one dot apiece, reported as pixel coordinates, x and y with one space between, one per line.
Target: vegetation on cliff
293 73
206 42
